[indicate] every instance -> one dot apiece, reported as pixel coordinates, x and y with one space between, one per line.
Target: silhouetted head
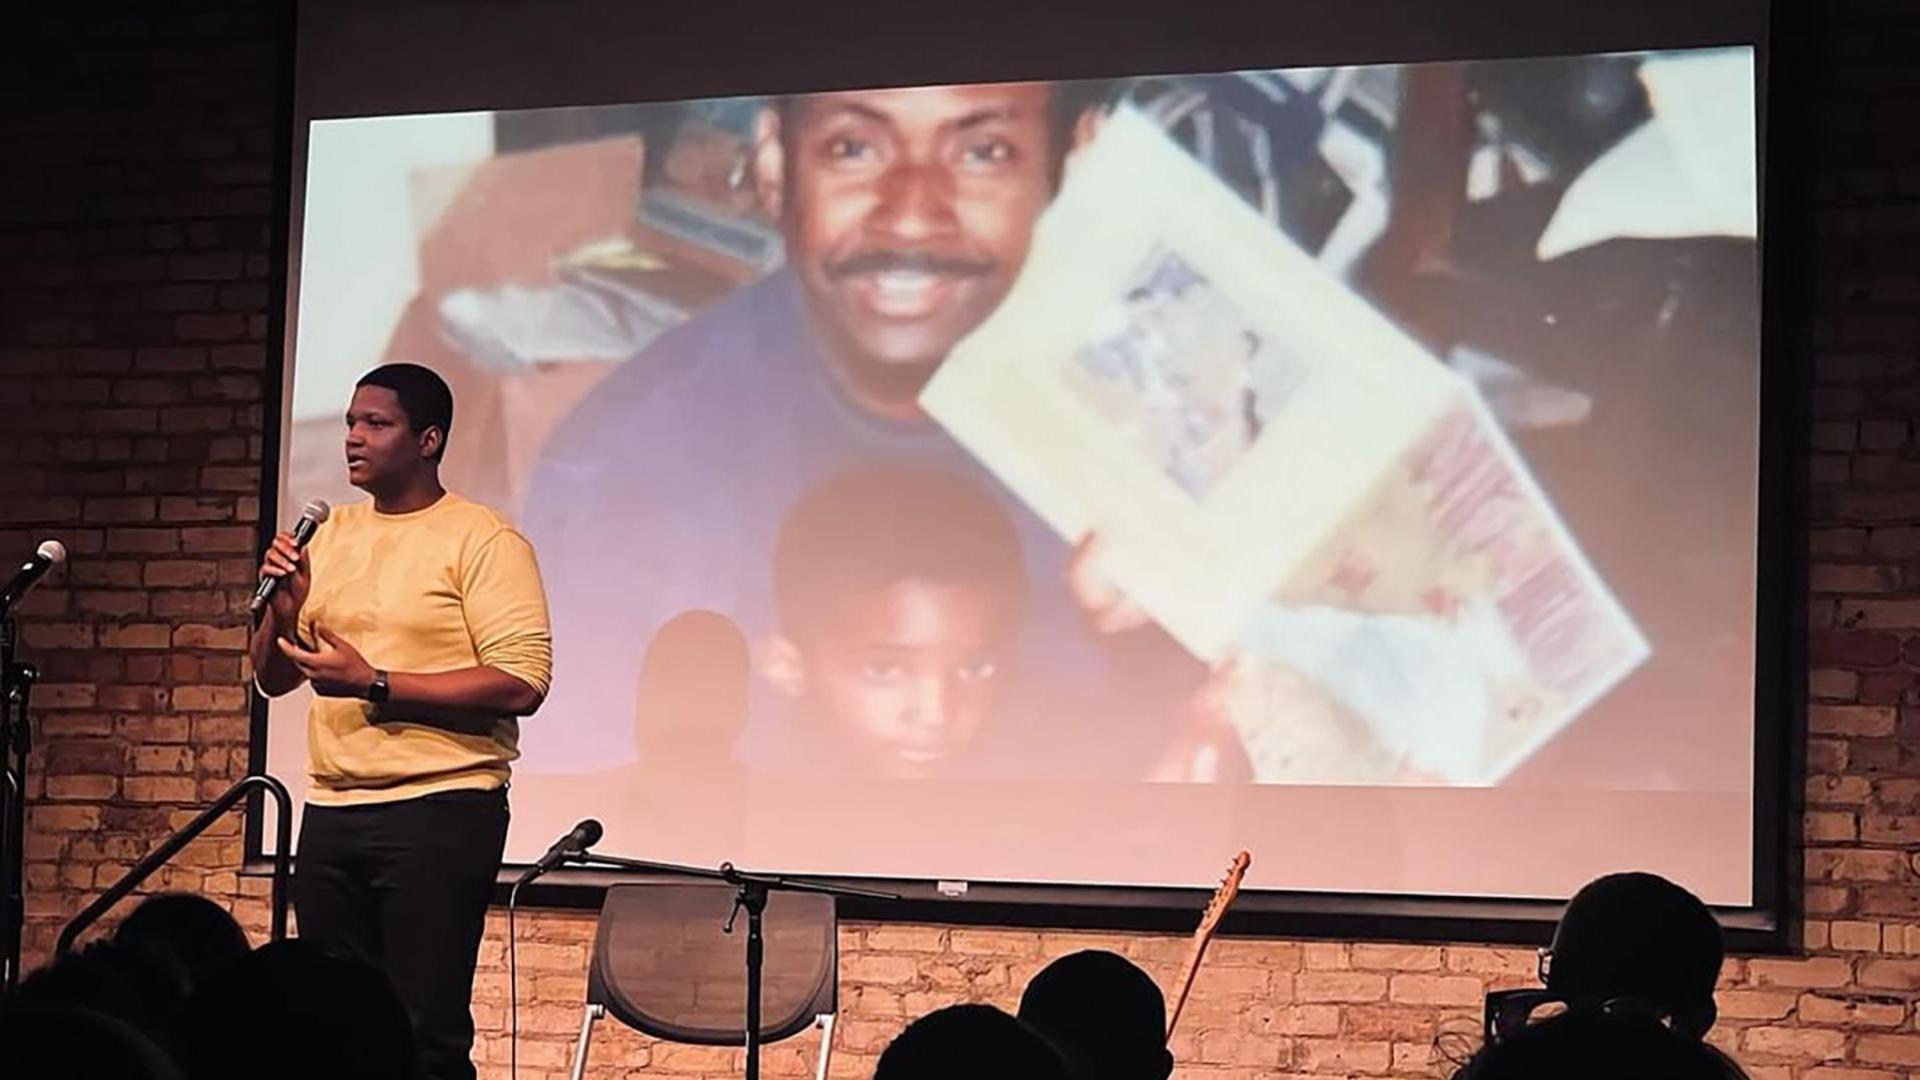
969 1042
302 1013
53 1040
1104 1015
200 934
691 701
127 981
1592 1044
1639 936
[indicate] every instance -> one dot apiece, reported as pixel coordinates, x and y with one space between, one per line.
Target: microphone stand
750 894
16 746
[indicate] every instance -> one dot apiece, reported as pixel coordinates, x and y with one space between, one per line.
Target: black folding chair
665 964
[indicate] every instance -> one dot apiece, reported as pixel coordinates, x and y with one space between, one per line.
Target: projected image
1093 431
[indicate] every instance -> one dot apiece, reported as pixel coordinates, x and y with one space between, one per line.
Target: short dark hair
197 932
424 397
340 1009
967 1042
1069 101
1105 1016
870 529
1638 935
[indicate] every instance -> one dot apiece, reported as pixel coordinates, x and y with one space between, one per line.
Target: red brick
222 540
1437 989
143 541
1845 864
1829 1072
1342 1056
159 789
181 573
202 636
136 636
1382 957
1812 972
1839 790
82 786
154 728
1851 935
162 759
1902 901
1853 648
209 698
1803 1044
1818 1009
132 509
1867 720
1830 826
1340 986
1833 684
1888 1049
1297 1019
1890 974
180 508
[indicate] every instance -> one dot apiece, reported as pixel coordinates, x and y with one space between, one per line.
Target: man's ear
769 162
432 439
778 660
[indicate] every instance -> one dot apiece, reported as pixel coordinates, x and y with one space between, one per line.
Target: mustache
883 261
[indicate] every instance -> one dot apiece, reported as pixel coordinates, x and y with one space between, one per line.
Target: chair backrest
663 963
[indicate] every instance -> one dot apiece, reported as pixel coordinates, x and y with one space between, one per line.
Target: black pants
406 885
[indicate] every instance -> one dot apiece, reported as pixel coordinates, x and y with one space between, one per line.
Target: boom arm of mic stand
730 874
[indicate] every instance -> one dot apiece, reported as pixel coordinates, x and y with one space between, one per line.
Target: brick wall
134 215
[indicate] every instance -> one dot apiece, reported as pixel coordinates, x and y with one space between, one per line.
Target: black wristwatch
377 690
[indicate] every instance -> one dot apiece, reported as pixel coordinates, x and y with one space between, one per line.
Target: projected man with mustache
908 214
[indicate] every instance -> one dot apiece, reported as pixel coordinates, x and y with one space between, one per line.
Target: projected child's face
911 210
910 673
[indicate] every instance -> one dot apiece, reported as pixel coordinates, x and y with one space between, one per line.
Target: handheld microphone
49 554
311 517
584 835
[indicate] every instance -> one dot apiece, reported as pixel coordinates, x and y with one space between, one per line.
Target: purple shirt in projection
664 490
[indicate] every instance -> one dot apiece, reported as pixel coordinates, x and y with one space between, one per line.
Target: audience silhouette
1639 936
176 994
969 1042
1599 1044
1105 1017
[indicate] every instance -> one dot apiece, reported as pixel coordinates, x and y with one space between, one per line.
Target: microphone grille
53 551
317 509
590 832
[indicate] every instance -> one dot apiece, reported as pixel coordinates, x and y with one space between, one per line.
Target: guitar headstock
1223 896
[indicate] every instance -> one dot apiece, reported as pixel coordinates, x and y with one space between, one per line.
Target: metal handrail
187 834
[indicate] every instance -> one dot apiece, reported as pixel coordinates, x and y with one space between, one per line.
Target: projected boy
898 596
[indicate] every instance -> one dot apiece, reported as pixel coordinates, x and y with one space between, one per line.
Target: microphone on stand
49 554
574 844
311 517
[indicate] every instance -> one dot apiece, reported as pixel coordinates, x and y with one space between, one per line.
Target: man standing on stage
420 620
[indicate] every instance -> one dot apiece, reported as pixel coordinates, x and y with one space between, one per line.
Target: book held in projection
1286 483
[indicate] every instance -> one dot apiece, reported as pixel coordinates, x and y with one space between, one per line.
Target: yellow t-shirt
448 587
